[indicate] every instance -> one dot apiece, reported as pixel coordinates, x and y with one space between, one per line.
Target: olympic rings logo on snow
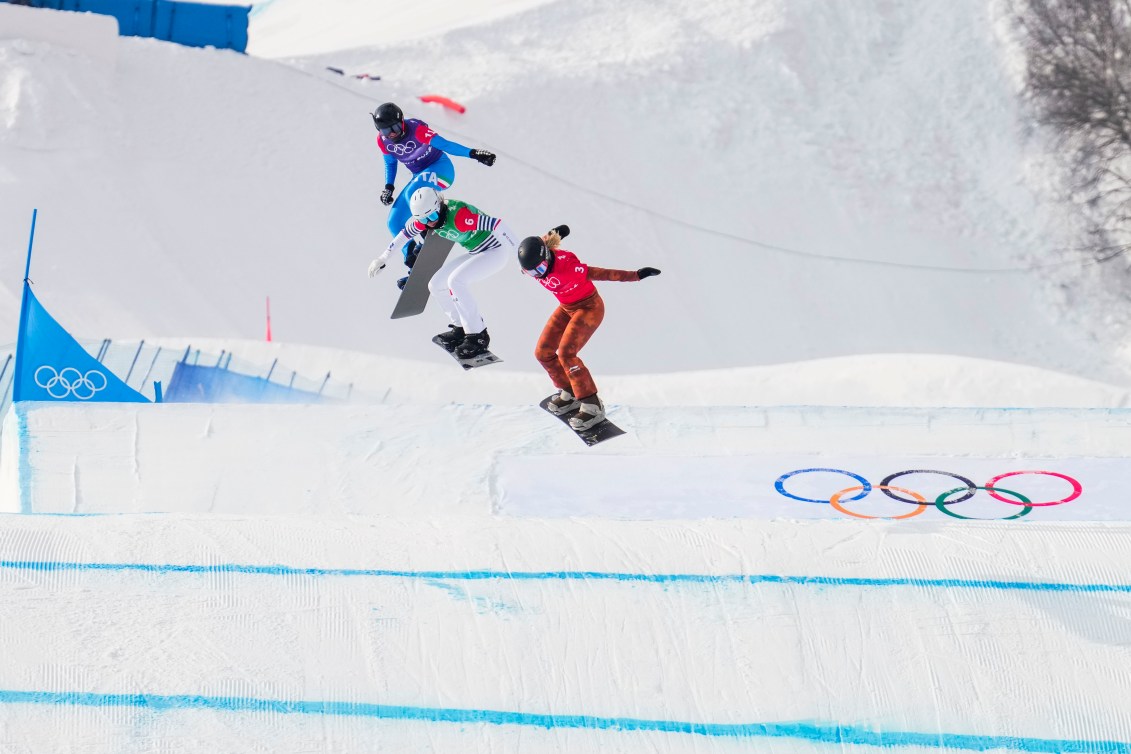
70 381
942 502
402 149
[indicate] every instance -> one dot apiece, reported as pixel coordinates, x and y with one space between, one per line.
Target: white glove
376 266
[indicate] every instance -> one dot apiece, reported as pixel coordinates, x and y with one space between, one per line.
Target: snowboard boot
452 338
474 344
562 403
401 282
590 414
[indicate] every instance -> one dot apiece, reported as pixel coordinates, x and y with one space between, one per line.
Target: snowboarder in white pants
489 243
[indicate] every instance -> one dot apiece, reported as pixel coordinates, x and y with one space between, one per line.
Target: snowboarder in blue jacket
425 153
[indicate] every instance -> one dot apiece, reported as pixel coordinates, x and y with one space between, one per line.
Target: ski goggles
539 270
393 130
431 217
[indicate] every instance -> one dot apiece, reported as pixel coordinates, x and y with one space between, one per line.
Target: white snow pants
450 284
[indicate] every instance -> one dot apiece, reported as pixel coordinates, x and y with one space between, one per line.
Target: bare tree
1078 75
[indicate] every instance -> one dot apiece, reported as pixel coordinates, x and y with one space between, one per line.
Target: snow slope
295 27
847 209
249 634
691 462
800 186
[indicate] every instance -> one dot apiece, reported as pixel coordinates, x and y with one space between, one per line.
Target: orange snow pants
568 329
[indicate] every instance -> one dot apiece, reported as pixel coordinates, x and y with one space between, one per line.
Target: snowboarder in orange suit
579 313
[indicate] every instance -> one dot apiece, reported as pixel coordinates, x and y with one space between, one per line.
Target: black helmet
389 119
535 259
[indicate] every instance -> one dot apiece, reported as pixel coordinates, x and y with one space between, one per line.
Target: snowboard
599 432
431 258
481 360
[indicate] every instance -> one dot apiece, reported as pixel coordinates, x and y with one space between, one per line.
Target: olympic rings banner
52 366
834 487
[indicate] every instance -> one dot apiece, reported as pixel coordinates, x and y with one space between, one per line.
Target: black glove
647 272
482 156
387 194
562 231
401 282
410 258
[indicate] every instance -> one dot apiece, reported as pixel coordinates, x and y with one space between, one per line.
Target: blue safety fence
190 375
193 382
190 24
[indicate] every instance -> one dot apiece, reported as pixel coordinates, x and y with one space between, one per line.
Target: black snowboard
481 360
414 297
599 432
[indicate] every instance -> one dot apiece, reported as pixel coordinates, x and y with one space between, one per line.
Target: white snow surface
815 180
863 276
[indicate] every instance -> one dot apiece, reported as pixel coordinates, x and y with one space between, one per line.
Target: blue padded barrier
193 383
190 24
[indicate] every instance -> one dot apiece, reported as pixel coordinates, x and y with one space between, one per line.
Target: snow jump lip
798 463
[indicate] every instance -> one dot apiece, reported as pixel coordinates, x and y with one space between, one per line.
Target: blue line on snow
23 464
817 732
645 578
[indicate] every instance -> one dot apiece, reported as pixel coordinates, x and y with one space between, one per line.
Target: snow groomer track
363 611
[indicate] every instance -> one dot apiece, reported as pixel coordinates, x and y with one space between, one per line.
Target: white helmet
424 201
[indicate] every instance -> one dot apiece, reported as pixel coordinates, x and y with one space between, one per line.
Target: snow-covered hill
848 208
814 179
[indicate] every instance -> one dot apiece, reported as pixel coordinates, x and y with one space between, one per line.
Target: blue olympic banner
52 366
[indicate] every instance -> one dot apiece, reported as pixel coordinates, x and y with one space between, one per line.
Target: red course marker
448 103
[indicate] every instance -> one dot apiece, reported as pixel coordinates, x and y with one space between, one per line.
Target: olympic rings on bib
944 502
402 148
